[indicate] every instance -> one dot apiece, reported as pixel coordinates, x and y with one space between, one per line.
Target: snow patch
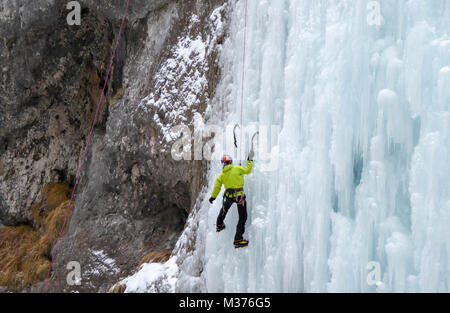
153 278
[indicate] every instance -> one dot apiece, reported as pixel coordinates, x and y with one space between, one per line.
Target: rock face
51 77
133 197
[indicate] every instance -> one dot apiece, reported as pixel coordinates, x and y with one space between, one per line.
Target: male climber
233 179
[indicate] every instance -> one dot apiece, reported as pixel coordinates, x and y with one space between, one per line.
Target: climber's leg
226 204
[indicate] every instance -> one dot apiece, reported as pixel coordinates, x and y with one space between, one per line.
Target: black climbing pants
242 210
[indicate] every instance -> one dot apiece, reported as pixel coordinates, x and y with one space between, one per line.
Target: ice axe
234 133
235 138
252 151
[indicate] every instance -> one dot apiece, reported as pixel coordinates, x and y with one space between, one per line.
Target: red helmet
226 159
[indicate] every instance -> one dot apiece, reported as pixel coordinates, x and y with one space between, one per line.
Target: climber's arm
247 169
217 187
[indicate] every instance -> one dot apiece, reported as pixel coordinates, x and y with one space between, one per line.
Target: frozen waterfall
359 92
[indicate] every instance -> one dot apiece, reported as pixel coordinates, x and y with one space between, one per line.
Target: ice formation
360 198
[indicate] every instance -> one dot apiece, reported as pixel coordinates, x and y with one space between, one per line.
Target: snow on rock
181 83
153 277
101 264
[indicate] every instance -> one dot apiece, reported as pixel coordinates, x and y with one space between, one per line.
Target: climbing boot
220 227
240 243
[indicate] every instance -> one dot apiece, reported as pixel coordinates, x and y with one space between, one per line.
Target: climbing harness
232 193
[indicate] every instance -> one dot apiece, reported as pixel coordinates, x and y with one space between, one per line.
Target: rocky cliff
133 197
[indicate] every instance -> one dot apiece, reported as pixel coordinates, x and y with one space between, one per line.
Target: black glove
211 200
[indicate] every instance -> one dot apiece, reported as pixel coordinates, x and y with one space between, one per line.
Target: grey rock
50 84
113 9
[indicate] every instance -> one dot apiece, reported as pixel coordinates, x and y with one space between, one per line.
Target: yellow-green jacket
232 177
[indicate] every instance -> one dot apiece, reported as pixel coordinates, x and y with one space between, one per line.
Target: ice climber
233 180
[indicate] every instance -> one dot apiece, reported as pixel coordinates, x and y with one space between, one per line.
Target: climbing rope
243 75
44 285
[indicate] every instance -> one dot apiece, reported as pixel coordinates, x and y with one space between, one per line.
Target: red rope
55 249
